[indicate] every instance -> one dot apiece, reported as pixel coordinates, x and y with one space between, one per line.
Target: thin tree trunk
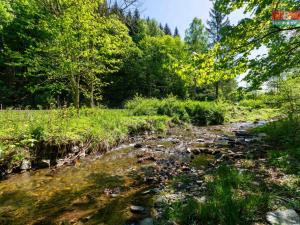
75 91
217 89
92 96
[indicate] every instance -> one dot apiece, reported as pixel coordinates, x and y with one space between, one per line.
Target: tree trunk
217 89
92 102
75 91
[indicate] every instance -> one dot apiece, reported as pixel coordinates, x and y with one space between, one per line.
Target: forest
108 116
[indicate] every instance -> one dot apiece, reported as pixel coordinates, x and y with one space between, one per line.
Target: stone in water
283 217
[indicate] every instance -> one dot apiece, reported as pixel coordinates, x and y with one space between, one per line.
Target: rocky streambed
131 184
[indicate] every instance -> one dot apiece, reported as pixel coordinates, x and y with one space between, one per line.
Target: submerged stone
147 221
138 145
137 209
283 217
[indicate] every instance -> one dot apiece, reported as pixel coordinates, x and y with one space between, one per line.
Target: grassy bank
22 131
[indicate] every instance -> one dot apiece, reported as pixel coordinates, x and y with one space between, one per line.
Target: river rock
196 151
283 217
147 221
137 209
42 164
25 164
138 145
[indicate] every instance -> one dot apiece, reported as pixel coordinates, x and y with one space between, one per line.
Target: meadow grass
234 113
64 125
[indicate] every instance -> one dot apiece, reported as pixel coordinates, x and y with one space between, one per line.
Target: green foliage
257 31
200 113
246 114
284 132
64 125
148 71
289 97
253 103
6 14
196 36
232 199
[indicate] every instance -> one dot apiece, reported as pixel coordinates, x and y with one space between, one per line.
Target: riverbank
51 138
48 138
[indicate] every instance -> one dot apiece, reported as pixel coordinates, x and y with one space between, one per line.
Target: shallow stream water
101 189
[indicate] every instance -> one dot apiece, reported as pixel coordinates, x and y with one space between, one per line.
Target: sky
180 13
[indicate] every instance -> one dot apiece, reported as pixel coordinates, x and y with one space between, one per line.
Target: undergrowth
198 113
232 199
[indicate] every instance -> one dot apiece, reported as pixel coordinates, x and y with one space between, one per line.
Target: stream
126 185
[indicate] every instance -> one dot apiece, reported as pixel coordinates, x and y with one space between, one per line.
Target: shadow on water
94 192
17 207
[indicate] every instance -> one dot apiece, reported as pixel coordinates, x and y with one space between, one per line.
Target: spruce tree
161 27
176 32
167 30
136 15
218 20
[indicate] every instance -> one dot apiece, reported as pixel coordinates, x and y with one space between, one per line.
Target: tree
196 36
86 46
206 68
6 14
252 33
167 30
159 54
153 28
161 27
218 21
176 32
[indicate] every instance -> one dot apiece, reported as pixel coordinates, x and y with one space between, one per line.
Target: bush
199 113
253 103
283 133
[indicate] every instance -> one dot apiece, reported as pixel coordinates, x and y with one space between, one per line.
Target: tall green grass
199 113
231 199
20 131
64 125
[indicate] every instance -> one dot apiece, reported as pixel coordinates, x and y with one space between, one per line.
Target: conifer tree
176 32
161 27
217 22
167 30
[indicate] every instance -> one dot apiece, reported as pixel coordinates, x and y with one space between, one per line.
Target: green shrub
199 113
283 133
253 103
